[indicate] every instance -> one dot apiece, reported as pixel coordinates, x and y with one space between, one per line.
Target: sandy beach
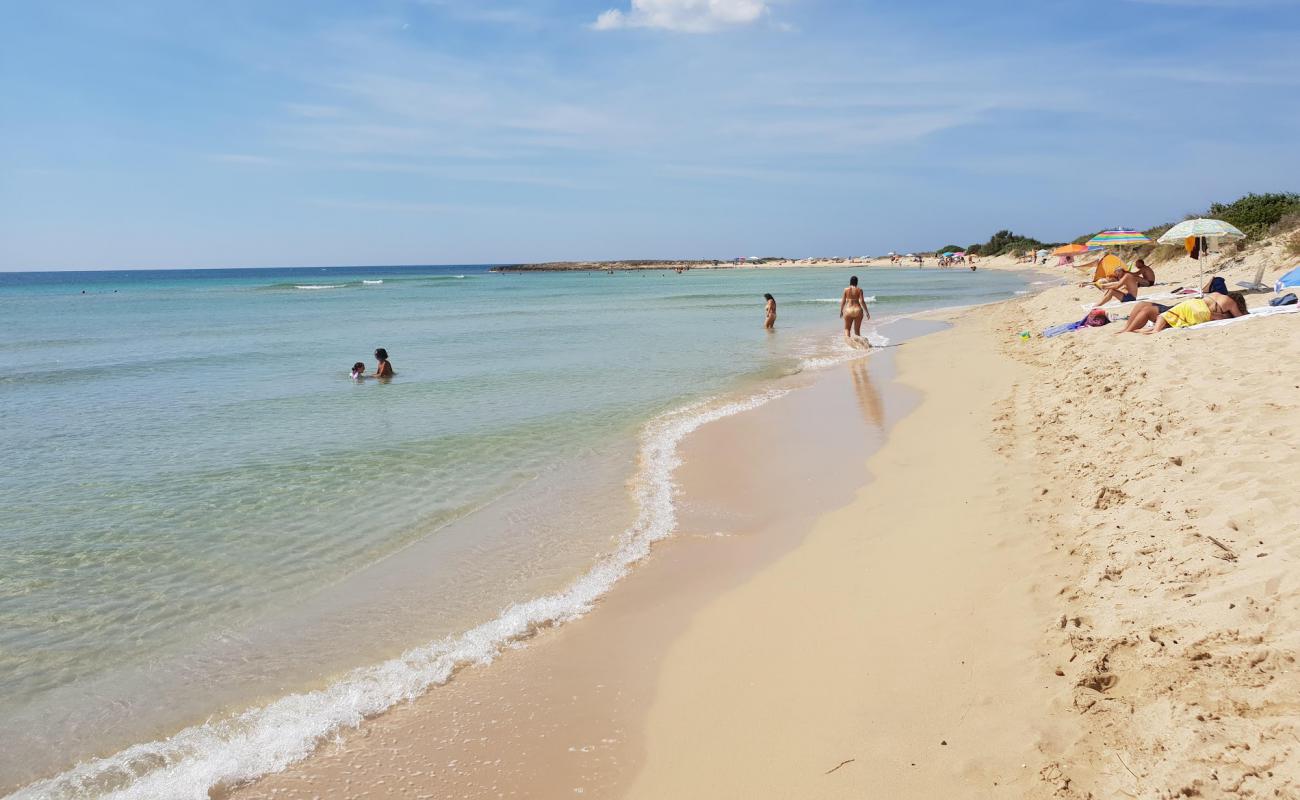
974 566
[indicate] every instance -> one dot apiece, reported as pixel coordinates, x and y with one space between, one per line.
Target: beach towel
1259 313
1095 319
1288 299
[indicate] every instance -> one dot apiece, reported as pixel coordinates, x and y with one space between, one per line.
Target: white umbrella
1212 229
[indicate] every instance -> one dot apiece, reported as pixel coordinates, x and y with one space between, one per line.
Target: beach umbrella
1118 237
1288 281
1071 250
1213 229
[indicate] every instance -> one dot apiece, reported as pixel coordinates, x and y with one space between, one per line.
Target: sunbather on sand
1186 314
1123 288
1146 275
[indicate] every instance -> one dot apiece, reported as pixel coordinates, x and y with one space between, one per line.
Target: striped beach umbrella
1118 238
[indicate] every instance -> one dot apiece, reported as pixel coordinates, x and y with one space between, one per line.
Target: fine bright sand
1069 571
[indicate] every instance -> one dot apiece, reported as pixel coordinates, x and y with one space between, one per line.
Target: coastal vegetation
1256 215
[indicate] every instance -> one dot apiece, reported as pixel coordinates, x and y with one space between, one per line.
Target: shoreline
563 714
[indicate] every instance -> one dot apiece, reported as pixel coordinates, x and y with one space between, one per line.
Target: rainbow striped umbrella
1118 238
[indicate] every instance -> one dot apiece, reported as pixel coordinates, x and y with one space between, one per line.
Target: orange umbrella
1070 250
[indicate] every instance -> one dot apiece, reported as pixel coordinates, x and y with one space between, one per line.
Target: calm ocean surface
204 515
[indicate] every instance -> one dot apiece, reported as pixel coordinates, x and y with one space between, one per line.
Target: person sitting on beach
383 369
1123 287
770 309
1145 275
1193 311
358 371
853 307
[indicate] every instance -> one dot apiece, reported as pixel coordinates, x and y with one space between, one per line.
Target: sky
324 132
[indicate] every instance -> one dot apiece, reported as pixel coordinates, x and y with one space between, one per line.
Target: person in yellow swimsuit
1190 312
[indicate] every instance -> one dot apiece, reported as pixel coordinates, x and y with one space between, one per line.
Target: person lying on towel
1187 313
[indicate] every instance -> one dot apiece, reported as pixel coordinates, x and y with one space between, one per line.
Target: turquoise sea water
204 514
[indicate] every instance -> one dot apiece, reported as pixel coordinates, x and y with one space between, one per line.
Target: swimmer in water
383 370
770 309
853 308
358 371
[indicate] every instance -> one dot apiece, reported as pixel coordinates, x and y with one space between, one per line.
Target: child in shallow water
358 371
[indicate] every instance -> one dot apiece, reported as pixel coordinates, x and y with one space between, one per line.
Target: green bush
948 248
1005 241
1254 214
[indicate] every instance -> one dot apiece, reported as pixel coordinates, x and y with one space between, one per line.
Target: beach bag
1288 299
1218 285
1096 318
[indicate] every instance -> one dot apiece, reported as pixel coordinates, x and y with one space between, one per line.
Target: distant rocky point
602 266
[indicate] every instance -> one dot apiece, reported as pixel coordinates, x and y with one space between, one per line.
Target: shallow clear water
199 502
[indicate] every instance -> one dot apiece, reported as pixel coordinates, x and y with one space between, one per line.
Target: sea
218 550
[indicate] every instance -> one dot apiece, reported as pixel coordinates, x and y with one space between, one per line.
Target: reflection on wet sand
873 409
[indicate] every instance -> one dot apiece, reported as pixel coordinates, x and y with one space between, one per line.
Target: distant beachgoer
770 309
853 308
1194 311
358 371
383 369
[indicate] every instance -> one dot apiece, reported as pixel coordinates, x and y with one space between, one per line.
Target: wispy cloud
689 16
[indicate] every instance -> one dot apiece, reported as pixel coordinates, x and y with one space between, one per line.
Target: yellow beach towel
1188 313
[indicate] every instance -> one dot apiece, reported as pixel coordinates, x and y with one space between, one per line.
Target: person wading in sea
770 309
383 369
853 308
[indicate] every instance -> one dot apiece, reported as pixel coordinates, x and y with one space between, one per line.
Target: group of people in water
853 309
383 369
1215 302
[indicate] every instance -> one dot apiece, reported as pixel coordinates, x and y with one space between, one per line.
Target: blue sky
174 134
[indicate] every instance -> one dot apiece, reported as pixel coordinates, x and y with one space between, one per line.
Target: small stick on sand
1231 555
1131 772
850 761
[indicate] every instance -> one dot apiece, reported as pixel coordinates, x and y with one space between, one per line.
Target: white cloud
690 16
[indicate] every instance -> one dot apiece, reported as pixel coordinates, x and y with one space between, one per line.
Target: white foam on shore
371 283
318 286
227 751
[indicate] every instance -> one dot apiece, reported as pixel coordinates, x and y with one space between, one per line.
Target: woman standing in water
770 309
853 307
